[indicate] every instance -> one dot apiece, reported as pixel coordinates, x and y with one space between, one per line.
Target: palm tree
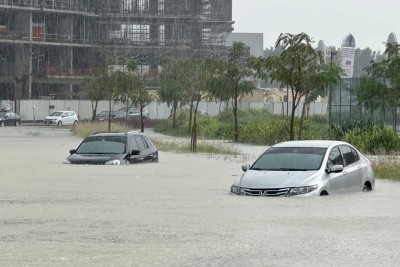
132 87
388 71
299 67
230 74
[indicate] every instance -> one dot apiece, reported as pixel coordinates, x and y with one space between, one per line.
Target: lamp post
330 92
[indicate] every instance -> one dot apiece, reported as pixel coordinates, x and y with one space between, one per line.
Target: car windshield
106 113
102 145
56 114
290 159
3 113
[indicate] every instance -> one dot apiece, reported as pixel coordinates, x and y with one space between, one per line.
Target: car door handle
344 173
360 168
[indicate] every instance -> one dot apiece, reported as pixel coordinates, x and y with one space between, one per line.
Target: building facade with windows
48 46
347 55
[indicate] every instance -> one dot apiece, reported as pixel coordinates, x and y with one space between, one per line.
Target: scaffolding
59 41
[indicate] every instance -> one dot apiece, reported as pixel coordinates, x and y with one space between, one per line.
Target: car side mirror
335 169
245 167
72 151
135 152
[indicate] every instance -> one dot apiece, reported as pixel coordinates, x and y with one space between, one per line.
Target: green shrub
86 128
264 132
376 140
258 126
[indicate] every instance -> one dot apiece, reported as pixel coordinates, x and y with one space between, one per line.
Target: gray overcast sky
369 21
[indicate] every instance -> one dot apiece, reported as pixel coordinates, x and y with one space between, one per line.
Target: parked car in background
306 168
135 113
114 149
60 118
105 115
9 118
123 112
202 112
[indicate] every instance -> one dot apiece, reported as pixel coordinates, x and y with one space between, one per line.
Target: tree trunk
94 107
302 119
193 139
292 120
190 116
174 108
109 115
141 119
235 118
394 118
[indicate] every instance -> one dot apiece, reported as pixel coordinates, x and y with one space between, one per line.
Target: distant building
252 40
392 38
322 47
347 54
47 47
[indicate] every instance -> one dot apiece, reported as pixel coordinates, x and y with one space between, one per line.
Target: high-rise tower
347 53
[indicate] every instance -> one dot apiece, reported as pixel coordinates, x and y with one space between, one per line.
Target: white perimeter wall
37 110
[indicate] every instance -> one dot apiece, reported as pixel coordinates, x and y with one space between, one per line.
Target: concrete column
23 71
153 7
154 31
23 60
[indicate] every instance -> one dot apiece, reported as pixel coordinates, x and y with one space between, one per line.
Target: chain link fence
345 106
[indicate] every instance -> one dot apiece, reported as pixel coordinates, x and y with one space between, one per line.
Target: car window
355 154
348 156
335 158
290 158
140 143
102 145
133 144
146 141
56 114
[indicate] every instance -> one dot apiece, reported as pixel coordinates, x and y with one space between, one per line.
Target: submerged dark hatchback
114 149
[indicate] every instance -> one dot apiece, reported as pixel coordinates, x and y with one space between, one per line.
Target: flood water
177 212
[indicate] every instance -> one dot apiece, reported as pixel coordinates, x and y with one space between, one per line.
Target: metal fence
345 106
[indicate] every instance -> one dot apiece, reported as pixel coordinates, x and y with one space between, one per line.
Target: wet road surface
177 212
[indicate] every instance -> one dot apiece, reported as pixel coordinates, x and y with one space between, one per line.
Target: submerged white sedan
306 168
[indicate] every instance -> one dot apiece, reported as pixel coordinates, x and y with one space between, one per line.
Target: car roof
310 143
116 133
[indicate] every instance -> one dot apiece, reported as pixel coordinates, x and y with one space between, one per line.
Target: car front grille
266 192
88 162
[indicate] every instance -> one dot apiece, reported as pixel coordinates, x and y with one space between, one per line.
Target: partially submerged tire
59 123
2 124
324 193
366 188
16 123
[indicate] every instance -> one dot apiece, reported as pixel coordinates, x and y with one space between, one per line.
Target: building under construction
48 46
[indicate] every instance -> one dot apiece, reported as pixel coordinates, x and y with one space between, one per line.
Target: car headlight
237 190
66 162
302 190
113 162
